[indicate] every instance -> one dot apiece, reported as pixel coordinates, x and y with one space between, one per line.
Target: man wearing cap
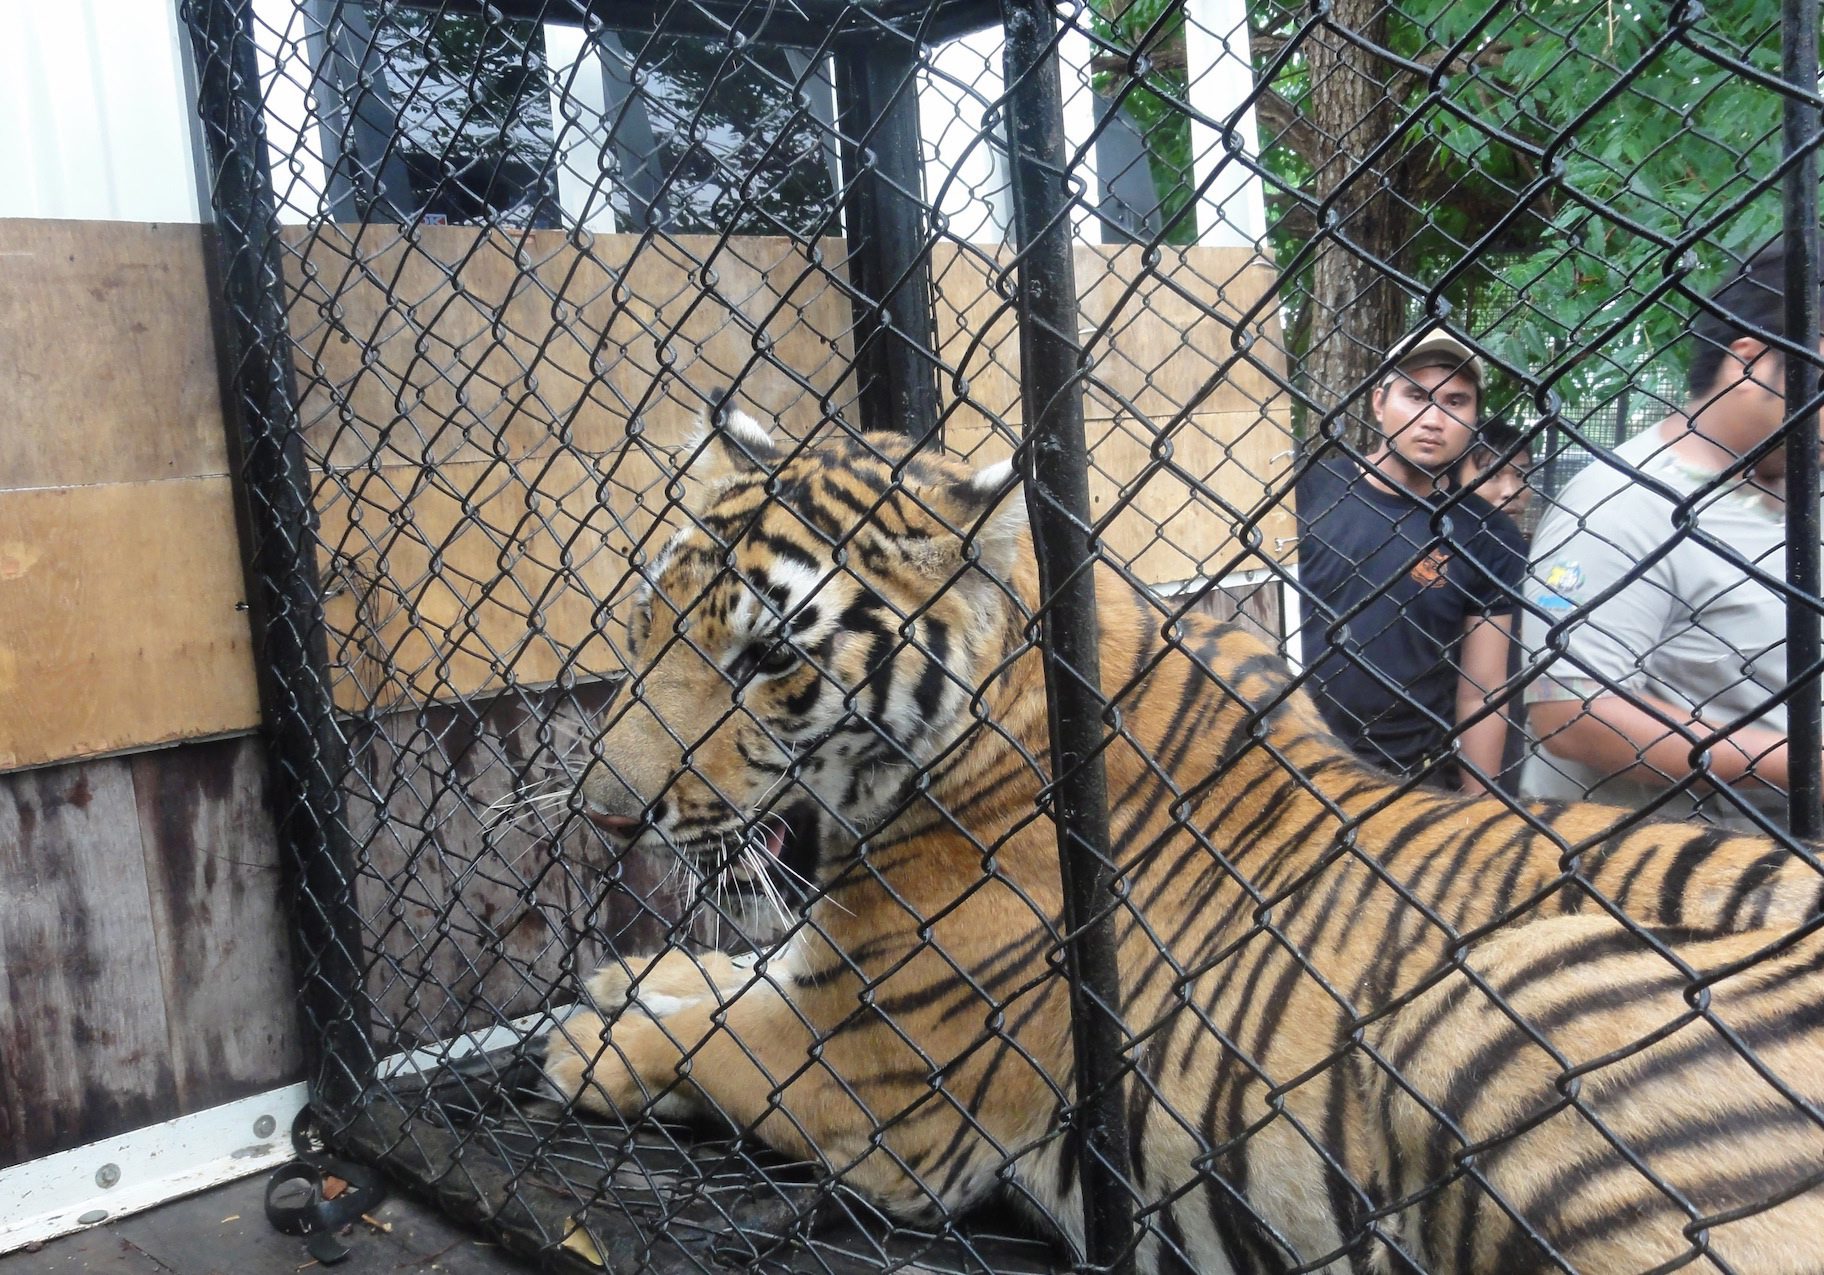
1412 586
1658 573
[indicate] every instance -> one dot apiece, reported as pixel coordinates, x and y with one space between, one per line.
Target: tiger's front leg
631 1067
704 1036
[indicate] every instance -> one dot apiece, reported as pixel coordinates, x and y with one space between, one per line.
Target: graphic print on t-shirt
1428 571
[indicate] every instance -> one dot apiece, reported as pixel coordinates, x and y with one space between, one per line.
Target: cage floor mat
579 1193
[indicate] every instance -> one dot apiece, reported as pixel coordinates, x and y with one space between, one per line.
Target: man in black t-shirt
1411 589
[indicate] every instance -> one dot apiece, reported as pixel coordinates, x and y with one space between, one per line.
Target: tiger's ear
729 444
987 507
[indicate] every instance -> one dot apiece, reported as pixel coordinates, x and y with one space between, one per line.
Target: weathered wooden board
108 371
453 344
144 967
1256 606
1184 506
84 1039
1153 336
472 909
214 882
119 619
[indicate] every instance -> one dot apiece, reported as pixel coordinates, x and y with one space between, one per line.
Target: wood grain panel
107 371
480 576
453 344
214 882
1178 508
119 624
496 414
1154 333
472 909
1158 333
1189 498
83 1040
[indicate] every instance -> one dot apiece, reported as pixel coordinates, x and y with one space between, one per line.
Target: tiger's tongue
775 839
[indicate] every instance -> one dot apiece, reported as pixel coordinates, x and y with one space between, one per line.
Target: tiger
1367 1026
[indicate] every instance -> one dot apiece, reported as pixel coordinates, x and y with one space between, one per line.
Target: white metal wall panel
93 121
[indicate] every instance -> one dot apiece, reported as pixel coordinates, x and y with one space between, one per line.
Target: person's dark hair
1752 303
1494 438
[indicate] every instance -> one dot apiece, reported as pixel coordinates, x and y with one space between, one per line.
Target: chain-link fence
980 858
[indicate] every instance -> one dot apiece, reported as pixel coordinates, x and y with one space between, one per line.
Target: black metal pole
272 486
365 180
1804 730
889 267
1057 500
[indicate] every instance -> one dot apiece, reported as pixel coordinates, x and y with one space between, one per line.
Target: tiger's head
819 633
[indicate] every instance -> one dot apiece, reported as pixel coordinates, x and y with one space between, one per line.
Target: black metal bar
636 151
368 177
1804 729
889 267
820 94
1128 203
1057 500
272 487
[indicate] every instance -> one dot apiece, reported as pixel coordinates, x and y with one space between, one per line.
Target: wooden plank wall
512 407
494 419
120 579
144 970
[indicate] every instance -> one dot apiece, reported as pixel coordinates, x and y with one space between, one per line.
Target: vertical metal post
889 269
1128 203
641 164
1057 499
272 485
820 95
368 178
1804 731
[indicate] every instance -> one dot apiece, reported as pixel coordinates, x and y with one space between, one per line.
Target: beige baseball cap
1434 347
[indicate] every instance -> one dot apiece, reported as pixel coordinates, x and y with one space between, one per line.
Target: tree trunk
1356 311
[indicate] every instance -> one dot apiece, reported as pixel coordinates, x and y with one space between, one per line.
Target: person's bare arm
1481 669
1618 736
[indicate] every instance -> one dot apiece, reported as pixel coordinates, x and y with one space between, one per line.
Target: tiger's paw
663 985
578 1059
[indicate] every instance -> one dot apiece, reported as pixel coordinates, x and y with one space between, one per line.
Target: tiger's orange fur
1287 922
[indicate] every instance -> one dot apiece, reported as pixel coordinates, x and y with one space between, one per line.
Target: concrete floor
224 1232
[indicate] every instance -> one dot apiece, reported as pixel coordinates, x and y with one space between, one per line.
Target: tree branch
1264 44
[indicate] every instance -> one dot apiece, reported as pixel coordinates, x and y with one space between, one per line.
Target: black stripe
928 695
1757 874
1677 880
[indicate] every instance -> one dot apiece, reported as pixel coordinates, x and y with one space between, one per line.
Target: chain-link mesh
1161 853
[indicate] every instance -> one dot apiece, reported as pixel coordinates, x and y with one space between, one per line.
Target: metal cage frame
893 325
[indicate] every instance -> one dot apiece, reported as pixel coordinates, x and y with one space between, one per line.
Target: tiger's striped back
1283 908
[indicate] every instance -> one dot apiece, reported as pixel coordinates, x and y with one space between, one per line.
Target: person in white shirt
1658 573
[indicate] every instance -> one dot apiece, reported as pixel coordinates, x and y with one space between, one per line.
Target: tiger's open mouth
780 845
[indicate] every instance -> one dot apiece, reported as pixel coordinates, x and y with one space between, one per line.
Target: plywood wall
494 419
498 416
120 581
